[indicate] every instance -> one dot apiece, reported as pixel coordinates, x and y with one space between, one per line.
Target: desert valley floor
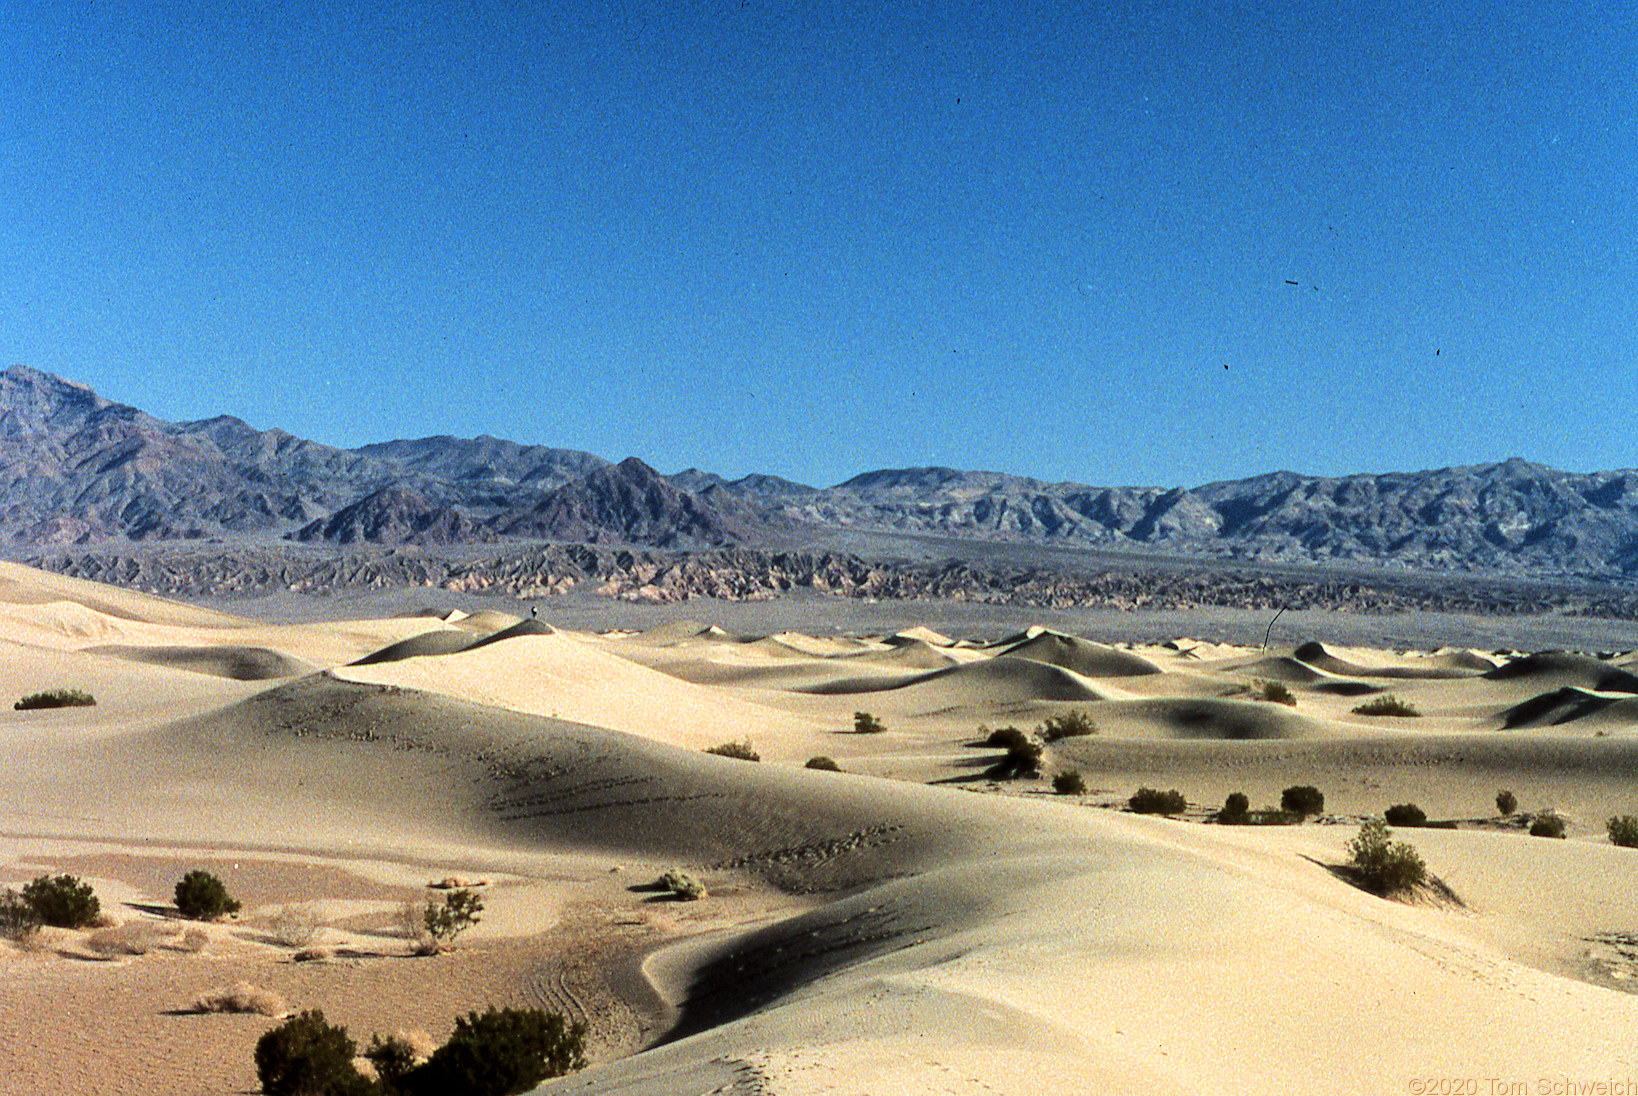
910 924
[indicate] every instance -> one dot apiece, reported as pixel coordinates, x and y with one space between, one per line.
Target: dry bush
683 887
1547 823
194 939
133 938
1384 866
319 953
865 723
1506 802
823 764
1275 692
295 926
1388 704
1074 723
55 698
18 921
1151 801
739 751
242 997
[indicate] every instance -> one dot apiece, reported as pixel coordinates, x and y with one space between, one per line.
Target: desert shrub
449 918
825 764
865 723
1405 814
1275 692
392 1057
242 997
1151 801
193 939
1023 756
1385 867
55 698
200 896
1388 704
1302 799
132 938
1547 824
1506 802
63 901
682 886
295 926
1623 831
308 1056
1069 783
1235 808
740 751
498 1052
18 920
1006 737
1072 724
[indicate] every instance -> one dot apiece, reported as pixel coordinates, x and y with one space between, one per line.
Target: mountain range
76 468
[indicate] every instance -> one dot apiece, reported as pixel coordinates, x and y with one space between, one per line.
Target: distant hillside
76 468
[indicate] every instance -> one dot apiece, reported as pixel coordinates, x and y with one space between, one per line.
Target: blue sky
814 240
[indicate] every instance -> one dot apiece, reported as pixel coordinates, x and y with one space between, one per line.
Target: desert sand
907 925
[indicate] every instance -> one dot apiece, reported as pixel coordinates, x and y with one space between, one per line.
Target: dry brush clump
1069 782
62 901
1074 723
681 886
1548 823
1506 802
739 751
1303 800
823 764
1405 815
241 997
296 925
865 723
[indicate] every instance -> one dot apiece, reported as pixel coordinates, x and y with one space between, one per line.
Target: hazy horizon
1114 245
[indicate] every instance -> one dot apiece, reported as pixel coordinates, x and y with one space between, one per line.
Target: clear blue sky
815 239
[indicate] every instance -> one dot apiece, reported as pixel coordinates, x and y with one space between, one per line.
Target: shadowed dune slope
1571 705
1317 655
437 642
1206 717
235 663
996 680
1565 669
546 782
1083 656
530 627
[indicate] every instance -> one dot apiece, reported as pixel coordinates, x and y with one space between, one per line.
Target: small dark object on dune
55 698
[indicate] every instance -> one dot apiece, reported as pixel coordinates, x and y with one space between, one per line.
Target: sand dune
238 663
1564 669
1320 657
861 935
1082 656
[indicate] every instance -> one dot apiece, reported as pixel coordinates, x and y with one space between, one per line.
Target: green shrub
454 915
1547 824
739 751
1302 799
1406 814
62 900
1235 808
203 897
1506 802
1006 737
1385 867
1388 704
17 918
1072 724
1623 831
55 698
865 723
1275 692
1069 783
499 1052
1151 801
1023 756
308 1056
393 1058
825 764
682 886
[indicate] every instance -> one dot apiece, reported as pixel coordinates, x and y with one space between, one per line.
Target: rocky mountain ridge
76 468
